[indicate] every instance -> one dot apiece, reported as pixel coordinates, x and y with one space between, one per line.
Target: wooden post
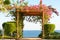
43 25
42 19
17 23
40 2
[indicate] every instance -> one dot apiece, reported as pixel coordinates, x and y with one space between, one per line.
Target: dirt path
24 39
31 38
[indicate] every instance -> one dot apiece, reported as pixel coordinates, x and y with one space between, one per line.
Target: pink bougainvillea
37 9
48 10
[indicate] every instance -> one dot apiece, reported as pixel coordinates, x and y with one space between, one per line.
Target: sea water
31 33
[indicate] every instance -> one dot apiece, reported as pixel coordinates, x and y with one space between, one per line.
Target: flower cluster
47 10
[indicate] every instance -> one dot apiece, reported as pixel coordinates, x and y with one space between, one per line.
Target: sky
32 26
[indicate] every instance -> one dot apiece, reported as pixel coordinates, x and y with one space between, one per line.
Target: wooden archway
30 13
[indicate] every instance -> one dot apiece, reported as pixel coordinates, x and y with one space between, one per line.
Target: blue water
57 31
33 33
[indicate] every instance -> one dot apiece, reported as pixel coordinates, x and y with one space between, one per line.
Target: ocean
33 33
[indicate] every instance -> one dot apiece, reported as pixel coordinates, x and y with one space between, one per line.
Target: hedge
9 28
48 29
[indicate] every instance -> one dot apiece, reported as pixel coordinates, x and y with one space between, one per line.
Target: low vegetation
49 32
9 29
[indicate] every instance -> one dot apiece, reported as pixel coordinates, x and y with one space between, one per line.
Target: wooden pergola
30 13
25 12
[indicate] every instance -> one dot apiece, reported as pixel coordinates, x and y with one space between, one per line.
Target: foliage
54 35
2 6
0 32
7 2
9 27
48 30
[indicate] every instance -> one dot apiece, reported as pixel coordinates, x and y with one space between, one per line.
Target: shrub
9 27
48 29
